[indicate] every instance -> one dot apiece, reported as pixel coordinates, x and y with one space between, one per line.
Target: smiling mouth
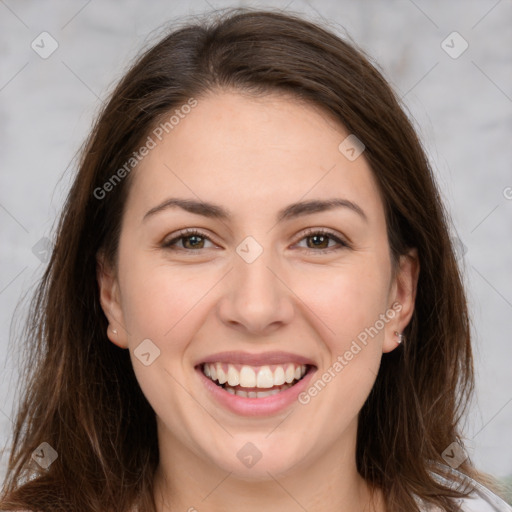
255 381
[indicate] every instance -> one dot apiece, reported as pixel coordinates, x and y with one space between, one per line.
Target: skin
243 152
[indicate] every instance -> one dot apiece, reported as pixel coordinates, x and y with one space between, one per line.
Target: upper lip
263 358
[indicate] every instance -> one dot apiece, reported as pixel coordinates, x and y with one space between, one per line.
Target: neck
327 483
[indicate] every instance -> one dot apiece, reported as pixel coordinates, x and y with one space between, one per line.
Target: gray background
461 106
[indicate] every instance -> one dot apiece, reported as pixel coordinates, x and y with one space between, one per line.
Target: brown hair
81 395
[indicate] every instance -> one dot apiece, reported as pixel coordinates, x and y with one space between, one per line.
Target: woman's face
274 284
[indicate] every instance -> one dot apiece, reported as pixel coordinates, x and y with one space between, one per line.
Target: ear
402 297
110 300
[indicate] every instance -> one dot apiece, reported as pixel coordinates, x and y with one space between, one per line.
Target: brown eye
319 241
190 240
195 242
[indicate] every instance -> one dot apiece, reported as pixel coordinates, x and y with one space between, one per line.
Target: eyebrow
294 210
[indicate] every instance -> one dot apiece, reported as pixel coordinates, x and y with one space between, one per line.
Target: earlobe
110 302
402 299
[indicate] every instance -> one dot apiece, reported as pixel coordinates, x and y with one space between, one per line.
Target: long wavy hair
80 394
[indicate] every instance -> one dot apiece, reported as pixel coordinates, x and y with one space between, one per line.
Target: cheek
159 300
346 299
162 304
349 303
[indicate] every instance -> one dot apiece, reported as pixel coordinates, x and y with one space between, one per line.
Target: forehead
247 151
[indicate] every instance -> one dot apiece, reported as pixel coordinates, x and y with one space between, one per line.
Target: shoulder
476 503
480 499
484 500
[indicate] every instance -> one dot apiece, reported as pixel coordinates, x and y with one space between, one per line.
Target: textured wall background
460 99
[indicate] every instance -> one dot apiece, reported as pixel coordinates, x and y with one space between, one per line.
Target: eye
320 239
191 239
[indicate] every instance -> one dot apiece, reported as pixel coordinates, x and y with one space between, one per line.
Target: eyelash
187 233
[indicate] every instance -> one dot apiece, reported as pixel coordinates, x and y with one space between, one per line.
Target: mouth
255 382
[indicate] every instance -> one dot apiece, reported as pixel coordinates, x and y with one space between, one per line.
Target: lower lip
257 406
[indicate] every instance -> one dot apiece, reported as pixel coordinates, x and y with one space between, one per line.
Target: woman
252 302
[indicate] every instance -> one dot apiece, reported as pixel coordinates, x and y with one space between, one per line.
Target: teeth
264 377
221 376
289 374
279 377
233 376
255 394
247 377
262 394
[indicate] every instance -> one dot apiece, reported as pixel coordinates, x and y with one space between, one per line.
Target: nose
257 300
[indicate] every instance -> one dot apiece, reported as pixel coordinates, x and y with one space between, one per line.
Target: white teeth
263 394
289 374
279 378
247 377
233 376
255 394
265 378
254 377
221 376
